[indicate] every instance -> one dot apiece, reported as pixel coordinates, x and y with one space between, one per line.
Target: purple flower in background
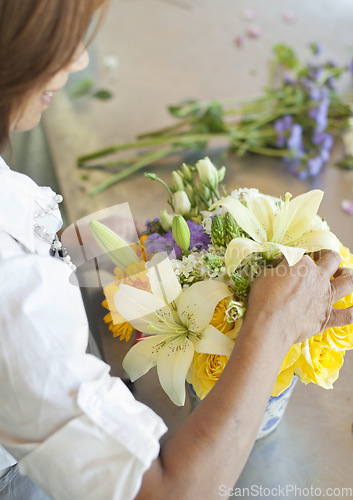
280 127
350 67
314 165
315 93
295 142
158 243
315 48
331 83
319 113
298 169
288 80
321 117
296 152
325 141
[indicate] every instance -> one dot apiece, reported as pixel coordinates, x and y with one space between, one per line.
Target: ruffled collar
20 197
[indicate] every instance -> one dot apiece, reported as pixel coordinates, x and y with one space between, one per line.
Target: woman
74 430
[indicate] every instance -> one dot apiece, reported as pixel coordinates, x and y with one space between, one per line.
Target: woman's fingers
329 263
342 285
340 317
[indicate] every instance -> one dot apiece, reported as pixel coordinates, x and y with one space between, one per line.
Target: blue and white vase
274 411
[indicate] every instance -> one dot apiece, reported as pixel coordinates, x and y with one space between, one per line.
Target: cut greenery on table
296 120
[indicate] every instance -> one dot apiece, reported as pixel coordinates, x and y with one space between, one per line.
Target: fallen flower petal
249 14
254 31
347 206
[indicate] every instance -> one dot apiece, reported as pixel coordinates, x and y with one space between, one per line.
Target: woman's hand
298 299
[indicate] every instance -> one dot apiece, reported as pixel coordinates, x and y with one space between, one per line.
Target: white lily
286 231
177 322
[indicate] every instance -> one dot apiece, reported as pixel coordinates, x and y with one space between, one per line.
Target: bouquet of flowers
186 286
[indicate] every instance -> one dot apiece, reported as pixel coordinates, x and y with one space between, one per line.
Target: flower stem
144 161
159 141
268 152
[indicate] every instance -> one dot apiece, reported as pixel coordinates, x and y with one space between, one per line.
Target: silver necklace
56 248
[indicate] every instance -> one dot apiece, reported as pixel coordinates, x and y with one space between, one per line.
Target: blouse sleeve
76 431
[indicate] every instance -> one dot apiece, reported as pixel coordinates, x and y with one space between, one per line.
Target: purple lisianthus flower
166 243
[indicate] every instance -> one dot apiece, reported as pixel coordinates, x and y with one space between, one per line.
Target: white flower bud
190 192
181 203
115 247
178 184
221 173
186 172
207 172
165 220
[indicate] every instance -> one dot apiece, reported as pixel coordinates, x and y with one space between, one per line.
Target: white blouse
76 431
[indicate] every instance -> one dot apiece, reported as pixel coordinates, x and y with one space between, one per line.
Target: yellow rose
340 338
219 318
318 363
135 275
204 372
347 257
286 372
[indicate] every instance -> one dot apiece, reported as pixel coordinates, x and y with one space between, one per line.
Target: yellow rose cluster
316 360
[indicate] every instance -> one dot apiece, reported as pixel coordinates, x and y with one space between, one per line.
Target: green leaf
102 94
346 163
285 55
82 87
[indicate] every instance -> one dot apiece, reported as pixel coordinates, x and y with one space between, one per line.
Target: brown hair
37 38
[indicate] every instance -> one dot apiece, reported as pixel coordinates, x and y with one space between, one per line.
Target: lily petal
244 217
238 249
143 356
138 307
214 342
301 211
261 207
173 364
317 240
196 304
291 254
162 278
